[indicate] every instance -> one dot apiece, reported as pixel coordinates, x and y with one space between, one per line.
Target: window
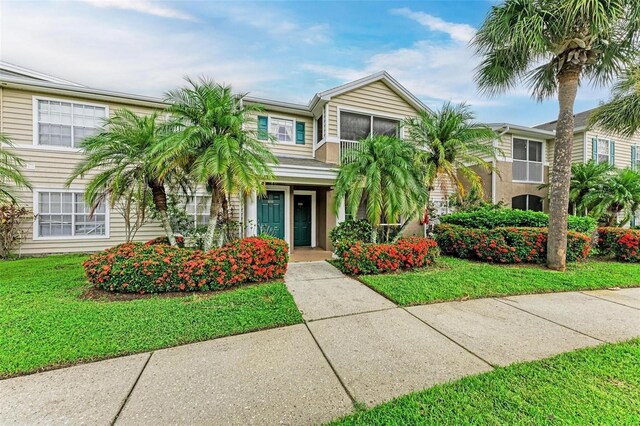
527 160
65 214
603 151
281 129
527 202
319 129
198 209
66 124
354 127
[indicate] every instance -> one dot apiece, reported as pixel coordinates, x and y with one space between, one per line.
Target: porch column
251 218
341 212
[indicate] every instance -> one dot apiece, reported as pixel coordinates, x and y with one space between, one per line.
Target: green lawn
599 385
44 322
455 279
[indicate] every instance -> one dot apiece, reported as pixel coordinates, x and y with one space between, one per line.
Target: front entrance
271 214
302 221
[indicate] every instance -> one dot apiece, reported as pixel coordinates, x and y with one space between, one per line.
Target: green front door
302 220
271 214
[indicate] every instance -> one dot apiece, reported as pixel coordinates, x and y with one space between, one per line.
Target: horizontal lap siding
577 152
623 146
286 149
376 97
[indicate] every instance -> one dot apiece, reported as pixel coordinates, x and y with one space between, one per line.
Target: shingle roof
579 120
304 162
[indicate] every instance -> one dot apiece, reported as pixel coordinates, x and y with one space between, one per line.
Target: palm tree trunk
160 201
217 196
560 181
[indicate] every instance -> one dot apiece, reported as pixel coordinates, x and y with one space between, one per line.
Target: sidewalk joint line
551 321
335 372
608 300
144 367
451 339
352 314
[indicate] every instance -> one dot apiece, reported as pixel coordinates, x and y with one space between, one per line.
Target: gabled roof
517 128
18 72
384 76
579 121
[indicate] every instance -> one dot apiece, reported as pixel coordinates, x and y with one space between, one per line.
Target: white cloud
144 6
458 32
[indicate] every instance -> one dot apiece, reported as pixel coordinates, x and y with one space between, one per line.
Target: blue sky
286 50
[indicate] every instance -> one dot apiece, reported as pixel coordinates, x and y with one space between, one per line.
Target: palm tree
450 146
618 194
210 136
10 173
553 45
382 175
622 113
585 178
123 156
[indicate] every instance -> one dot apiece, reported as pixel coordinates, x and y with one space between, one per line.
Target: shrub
407 253
622 243
348 233
506 245
158 268
165 241
11 233
491 218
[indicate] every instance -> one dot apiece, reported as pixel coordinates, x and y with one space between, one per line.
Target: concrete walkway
356 346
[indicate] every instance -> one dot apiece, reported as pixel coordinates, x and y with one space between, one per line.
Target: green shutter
299 133
594 149
612 153
263 133
634 157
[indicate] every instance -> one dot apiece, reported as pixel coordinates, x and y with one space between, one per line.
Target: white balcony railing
347 150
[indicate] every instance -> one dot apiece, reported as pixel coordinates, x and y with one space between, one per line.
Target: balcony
347 150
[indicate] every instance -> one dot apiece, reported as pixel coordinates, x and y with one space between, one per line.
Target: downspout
494 175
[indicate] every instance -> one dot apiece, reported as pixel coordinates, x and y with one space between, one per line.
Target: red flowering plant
165 241
407 253
622 243
506 245
157 268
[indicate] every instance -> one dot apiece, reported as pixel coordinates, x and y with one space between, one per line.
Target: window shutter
612 153
634 157
263 133
299 133
594 149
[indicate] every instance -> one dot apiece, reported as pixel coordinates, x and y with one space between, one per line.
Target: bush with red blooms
623 244
158 268
506 245
407 253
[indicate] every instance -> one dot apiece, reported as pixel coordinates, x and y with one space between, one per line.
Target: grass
44 322
457 279
598 385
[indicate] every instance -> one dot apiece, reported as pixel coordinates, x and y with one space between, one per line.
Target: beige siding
375 98
622 146
578 150
288 149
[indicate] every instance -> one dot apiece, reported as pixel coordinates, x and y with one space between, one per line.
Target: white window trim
371 113
285 117
193 198
543 162
36 133
609 141
36 213
313 213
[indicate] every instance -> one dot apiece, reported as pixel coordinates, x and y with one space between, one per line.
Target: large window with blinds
356 126
64 214
66 124
528 165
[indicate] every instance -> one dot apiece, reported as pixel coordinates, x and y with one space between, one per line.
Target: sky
284 50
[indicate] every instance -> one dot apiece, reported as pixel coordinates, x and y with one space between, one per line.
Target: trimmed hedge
623 244
406 253
158 268
506 245
502 218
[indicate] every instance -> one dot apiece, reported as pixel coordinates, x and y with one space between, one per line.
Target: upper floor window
284 130
527 202
281 129
65 214
603 150
320 129
66 124
354 127
527 160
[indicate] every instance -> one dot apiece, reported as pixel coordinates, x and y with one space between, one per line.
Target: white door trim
313 212
287 210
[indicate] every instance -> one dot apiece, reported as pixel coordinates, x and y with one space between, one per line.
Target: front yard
456 279
598 385
45 321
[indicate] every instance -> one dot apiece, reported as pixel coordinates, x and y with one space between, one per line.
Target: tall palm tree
618 194
622 113
10 173
123 157
210 136
554 45
450 145
382 175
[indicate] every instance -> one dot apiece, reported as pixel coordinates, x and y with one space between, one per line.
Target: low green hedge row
505 245
500 218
